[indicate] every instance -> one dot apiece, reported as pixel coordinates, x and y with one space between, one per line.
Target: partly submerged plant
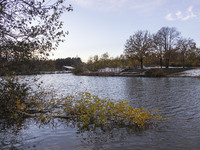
90 109
12 95
18 102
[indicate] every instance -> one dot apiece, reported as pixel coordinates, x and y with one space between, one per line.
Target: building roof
68 67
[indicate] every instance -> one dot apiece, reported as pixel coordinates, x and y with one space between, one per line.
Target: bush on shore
155 73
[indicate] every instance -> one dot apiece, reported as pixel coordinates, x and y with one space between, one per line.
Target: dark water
177 98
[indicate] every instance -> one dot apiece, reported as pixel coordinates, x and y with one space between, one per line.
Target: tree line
166 46
99 62
36 66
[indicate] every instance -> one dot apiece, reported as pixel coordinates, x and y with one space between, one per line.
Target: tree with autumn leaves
29 29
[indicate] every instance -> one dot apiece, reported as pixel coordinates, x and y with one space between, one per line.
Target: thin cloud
179 15
188 14
147 5
169 17
113 5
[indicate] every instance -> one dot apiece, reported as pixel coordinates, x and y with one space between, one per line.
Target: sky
99 26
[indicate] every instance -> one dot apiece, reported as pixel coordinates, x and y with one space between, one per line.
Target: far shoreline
154 72
147 72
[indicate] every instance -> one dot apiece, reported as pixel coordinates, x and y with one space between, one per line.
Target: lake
177 98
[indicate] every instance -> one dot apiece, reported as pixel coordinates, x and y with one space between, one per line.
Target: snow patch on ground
115 70
191 73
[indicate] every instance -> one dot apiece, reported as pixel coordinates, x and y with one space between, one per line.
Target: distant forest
35 65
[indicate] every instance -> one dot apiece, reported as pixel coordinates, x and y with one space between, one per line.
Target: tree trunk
167 63
141 63
161 63
183 62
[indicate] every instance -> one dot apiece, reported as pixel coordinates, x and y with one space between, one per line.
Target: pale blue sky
99 26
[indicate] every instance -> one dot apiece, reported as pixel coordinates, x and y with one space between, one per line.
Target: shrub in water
12 95
83 108
91 109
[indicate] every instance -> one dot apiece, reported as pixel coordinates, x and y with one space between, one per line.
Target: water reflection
62 134
11 135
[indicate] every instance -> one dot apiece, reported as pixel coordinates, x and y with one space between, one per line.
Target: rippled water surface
177 98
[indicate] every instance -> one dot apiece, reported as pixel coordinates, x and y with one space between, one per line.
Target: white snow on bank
191 73
188 73
116 70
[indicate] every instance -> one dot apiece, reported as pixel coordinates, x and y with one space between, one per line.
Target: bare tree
185 46
158 48
138 46
168 38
